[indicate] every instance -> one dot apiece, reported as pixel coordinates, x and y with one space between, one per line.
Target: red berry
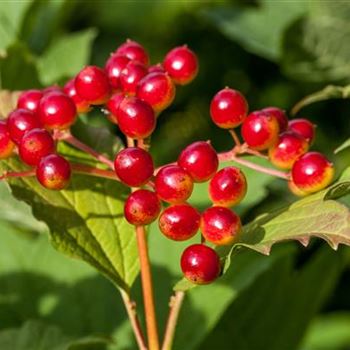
287 150
81 105
6 144
280 115
200 160
182 65
156 68
312 172
36 144
136 118
142 207
92 85
19 122
53 172
57 111
179 222
228 187
157 89
131 75
173 184
228 108
220 225
114 66
200 264
30 100
53 88
295 190
260 130
113 106
133 51
134 166
304 128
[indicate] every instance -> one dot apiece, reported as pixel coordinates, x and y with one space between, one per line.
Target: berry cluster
134 93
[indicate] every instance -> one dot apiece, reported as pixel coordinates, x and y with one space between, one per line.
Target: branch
175 306
135 324
147 289
69 138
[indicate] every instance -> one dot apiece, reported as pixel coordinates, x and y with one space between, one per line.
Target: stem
26 173
135 324
69 138
87 170
256 153
130 142
147 289
230 156
175 306
235 137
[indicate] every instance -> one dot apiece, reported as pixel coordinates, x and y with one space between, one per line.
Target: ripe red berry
304 128
182 65
53 172
134 166
156 68
20 121
200 160
228 187
179 222
92 85
6 144
136 118
220 225
131 75
289 147
114 66
280 115
260 130
30 100
142 207
133 51
173 184
295 190
200 264
36 144
81 105
113 106
228 108
57 111
157 89
312 172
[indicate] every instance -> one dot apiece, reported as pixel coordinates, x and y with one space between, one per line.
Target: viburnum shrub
133 94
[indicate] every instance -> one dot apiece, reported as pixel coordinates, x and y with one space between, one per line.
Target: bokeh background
275 52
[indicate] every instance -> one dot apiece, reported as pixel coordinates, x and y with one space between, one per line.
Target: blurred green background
275 52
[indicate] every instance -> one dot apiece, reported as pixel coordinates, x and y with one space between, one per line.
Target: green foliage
86 220
35 335
66 56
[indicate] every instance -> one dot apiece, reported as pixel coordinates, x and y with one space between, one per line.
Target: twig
87 170
175 306
135 324
25 173
69 138
147 289
230 156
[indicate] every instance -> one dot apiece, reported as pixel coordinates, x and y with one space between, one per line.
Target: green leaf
18 69
12 14
330 331
86 220
258 29
316 48
274 312
343 146
328 93
34 335
66 56
18 213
